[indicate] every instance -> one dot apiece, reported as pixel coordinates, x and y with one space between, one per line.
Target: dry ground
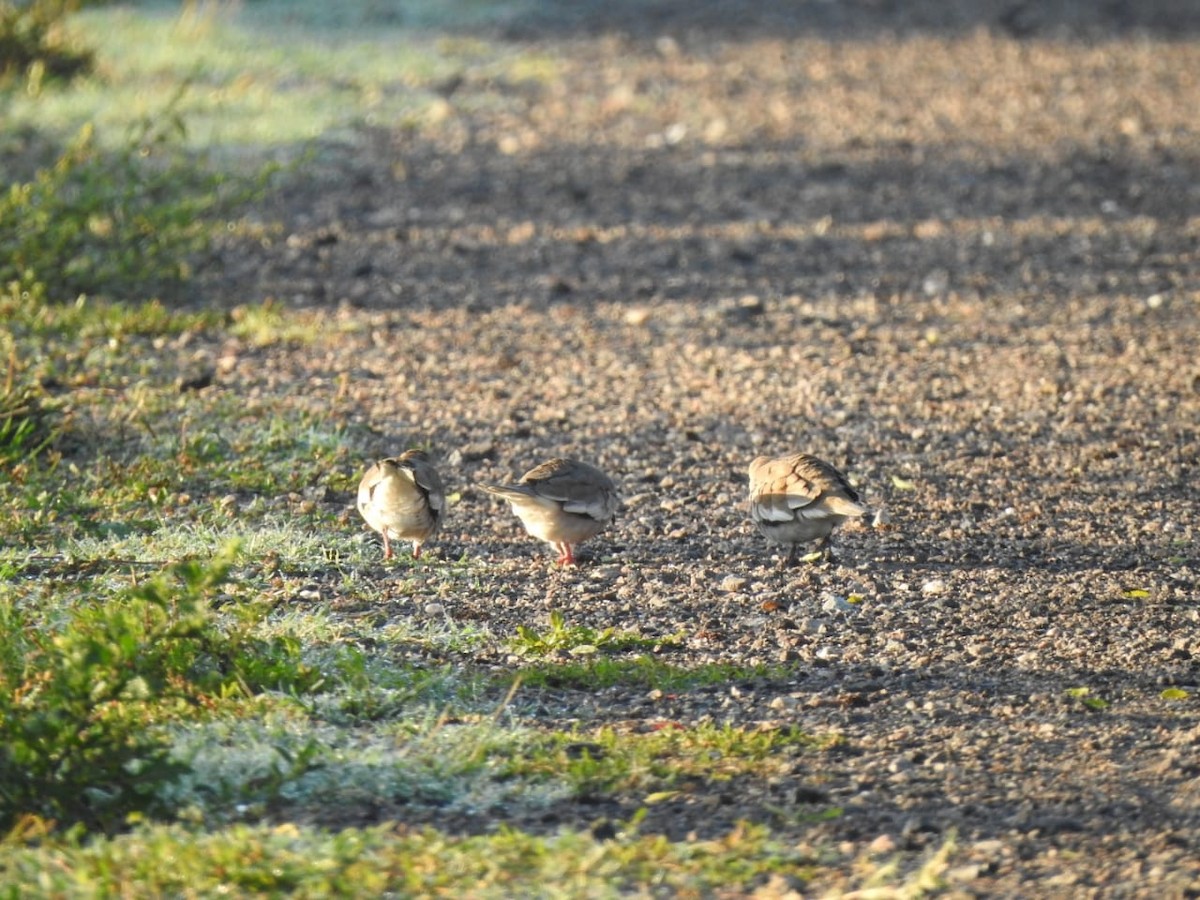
952 248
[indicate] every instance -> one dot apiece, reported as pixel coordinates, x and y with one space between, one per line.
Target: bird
403 497
562 502
799 498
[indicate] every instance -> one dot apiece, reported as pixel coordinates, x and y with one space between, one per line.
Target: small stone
934 586
964 873
916 825
885 843
733 583
637 316
831 602
988 848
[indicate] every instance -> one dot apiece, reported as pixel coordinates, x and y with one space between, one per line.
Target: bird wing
579 488
417 468
800 487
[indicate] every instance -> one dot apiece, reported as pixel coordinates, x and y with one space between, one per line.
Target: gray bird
562 502
798 499
402 497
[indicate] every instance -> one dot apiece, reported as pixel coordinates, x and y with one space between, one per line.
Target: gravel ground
953 249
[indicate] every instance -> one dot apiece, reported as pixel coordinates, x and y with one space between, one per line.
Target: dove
403 497
562 502
797 499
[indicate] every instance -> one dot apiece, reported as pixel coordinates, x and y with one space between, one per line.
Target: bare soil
951 248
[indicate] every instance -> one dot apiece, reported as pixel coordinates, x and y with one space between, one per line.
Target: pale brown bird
562 502
403 497
797 499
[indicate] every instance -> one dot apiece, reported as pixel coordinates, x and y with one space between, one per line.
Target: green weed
33 43
607 761
307 862
577 640
78 703
28 421
1087 699
646 672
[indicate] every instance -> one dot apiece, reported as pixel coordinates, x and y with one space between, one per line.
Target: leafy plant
26 420
78 705
125 222
1084 696
32 41
608 760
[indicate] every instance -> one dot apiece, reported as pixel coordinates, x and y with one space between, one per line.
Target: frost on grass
297 769
277 536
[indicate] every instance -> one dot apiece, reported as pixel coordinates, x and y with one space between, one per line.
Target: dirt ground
950 247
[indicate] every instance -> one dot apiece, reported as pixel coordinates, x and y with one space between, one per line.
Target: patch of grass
117 223
607 761
444 636
386 693
578 640
266 323
78 703
159 483
311 862
299 768
92 320
276 74
33 43
644 672
28 421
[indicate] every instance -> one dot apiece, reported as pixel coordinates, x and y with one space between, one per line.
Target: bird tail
501 490
844 506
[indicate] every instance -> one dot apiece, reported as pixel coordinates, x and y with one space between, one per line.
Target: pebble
990 847
964 873
885 843
831 602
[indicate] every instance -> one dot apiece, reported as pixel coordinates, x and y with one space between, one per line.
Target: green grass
643 671
605 761
252 860
275 74
579 640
